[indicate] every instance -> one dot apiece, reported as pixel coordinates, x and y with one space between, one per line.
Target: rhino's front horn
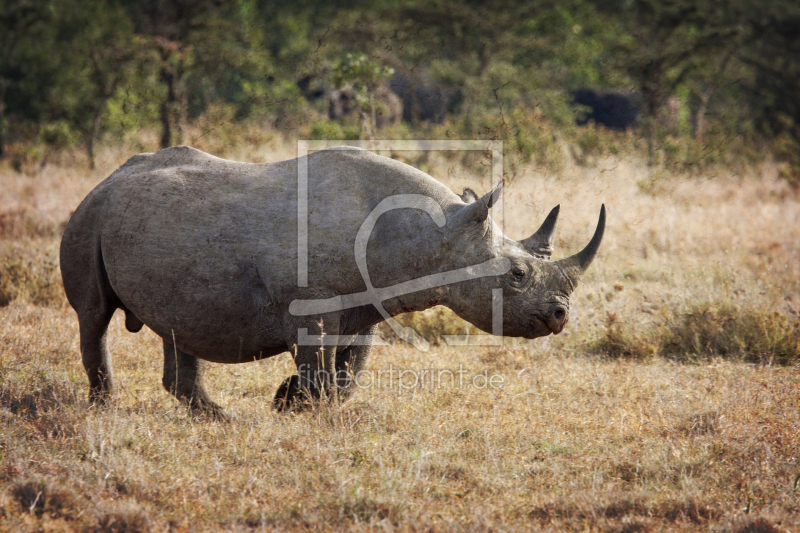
574 266
541 242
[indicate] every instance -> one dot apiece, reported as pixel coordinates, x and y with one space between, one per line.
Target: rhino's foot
99 396
290 397
203 406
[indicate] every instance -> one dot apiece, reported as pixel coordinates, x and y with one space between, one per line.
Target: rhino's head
535 289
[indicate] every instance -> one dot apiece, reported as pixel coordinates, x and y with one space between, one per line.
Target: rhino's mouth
541 327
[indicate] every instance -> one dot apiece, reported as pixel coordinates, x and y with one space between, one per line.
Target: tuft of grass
29 272
751 334
752 524
25 222
126 517
431 324
688 511
704 331
34 401
40 496
593 141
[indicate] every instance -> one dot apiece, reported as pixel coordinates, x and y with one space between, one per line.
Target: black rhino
205 252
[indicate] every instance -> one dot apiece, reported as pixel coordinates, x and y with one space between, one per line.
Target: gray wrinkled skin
204 251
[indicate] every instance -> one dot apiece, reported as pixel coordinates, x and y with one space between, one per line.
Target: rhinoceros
208 253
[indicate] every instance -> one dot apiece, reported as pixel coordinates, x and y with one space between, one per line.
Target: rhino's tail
84 275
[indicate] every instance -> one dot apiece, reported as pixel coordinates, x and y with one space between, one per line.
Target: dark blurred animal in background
615 109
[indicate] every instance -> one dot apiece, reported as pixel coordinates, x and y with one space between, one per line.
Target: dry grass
696 278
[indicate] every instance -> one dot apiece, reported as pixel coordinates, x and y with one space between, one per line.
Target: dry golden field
671 402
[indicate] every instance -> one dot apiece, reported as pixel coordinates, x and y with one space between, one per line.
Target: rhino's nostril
557 319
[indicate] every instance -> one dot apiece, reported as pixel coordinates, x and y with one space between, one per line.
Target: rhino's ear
478 211
492 196
469 196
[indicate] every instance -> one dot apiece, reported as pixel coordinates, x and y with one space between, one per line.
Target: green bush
25 157
59 134
528 137
326 130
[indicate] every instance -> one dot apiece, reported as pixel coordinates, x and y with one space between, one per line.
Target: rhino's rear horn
575 266
541 242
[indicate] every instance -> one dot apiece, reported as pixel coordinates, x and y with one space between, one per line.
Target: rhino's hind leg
94 353
90 294
183 378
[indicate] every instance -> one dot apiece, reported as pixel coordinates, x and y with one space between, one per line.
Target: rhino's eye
518 274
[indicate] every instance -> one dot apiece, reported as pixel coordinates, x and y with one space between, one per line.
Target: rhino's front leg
183 378
350 361
315 357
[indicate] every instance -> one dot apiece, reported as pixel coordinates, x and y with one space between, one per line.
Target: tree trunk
96 121
651 153
365 132
179 109
652 101
372 119
166 131
2 118
167 106
700 122
705 94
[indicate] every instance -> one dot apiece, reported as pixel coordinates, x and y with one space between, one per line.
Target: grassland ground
671 402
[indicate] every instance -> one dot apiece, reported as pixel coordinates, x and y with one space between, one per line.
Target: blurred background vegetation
685 83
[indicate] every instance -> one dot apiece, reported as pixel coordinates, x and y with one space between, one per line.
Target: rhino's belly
211 299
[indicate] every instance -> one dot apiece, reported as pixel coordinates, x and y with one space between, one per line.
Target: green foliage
24 157
363 76
27 67
58 134
326 130
712 77
530 138
358 70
